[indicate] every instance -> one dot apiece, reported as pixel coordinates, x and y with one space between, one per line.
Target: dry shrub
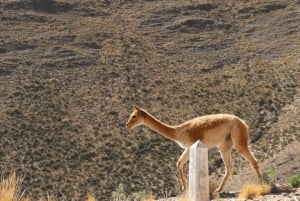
91 198
10 188
148 197
184 196
250 191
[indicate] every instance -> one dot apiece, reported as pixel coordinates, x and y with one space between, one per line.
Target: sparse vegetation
251 191
271 175
294 181
120 195
11 190
70 71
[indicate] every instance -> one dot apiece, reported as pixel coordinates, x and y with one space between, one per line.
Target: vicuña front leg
225 150
182 160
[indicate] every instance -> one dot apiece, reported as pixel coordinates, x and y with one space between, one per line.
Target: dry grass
10 190
91 198
250 191
184 197
148 197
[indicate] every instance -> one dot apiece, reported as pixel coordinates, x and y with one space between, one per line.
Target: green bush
272 174
294 181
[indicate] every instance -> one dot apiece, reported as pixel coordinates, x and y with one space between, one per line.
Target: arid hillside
71 70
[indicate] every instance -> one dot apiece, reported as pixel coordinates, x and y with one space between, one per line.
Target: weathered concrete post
198 173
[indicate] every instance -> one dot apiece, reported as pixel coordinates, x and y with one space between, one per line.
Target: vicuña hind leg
250 158
225 150
240 142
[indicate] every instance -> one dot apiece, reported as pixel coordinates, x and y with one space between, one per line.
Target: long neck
156 125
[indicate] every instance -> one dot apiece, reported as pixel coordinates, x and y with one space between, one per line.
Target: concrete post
198 173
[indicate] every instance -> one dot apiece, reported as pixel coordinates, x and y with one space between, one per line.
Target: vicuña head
224 131
136 118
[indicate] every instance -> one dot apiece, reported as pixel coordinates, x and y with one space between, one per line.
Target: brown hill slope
70 70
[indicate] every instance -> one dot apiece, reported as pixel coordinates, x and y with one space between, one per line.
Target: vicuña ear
136 107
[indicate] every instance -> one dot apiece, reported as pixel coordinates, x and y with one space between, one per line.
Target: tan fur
222 130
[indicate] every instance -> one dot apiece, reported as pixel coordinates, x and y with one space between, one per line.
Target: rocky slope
70 71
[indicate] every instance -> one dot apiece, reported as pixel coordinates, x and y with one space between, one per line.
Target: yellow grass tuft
184 196
10 188
91 198
250 191
148 197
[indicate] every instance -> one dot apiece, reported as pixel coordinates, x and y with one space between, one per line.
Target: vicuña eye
134 117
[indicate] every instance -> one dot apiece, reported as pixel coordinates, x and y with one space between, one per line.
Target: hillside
71 70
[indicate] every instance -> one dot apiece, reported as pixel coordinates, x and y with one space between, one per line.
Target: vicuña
222 130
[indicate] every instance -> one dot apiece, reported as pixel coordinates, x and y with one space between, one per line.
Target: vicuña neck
158 126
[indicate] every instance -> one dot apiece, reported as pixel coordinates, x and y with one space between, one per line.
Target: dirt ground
71 70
